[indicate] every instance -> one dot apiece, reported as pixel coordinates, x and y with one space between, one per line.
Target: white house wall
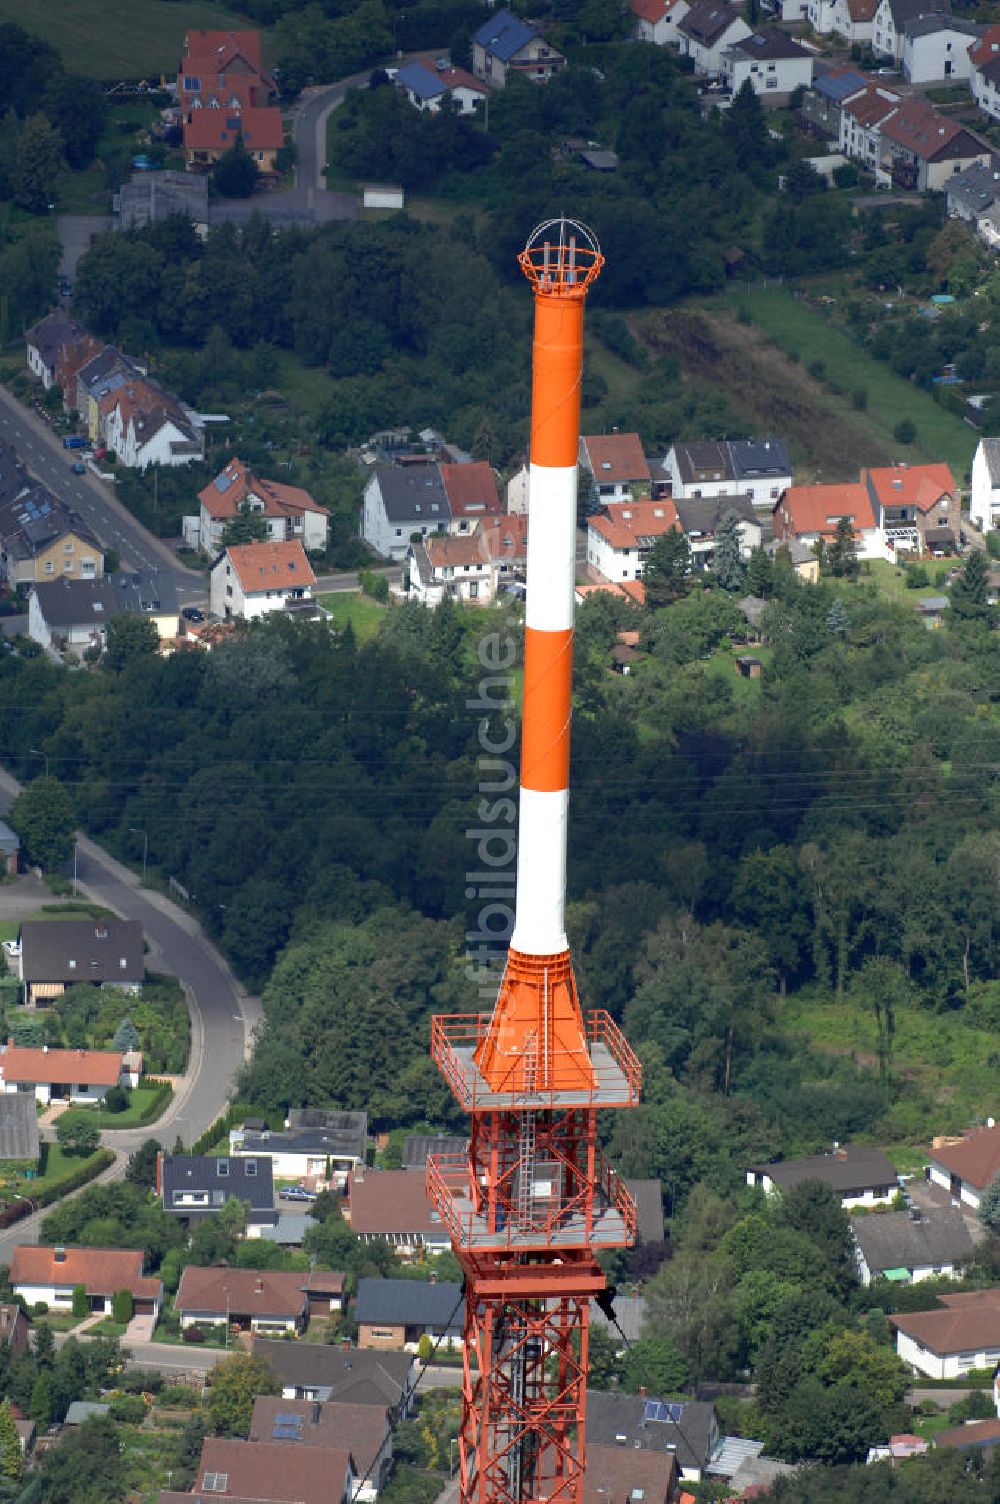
984 497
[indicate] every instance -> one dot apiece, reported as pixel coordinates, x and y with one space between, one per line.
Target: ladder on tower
526 1145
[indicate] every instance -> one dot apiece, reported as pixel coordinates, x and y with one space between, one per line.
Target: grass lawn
120 38
143 1098
891 581
107 1328
722 665
59 1165
215 1336
363 613
9 929
940 434
75 910
59 1321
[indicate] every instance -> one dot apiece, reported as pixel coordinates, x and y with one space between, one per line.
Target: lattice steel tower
533 1201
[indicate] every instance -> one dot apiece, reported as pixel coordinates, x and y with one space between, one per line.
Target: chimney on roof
45 1049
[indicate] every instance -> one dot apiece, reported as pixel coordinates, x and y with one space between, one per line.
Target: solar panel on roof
288 1418
222 482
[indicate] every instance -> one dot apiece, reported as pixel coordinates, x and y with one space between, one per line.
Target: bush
141 1381
117 1099
193 1334
40 1308
859 399
817 369
917 577
122 1306
905 431
128 1408
81 1305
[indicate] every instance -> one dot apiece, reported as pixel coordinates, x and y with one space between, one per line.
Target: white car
12 948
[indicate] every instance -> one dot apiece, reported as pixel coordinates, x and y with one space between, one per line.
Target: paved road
113 525
348 580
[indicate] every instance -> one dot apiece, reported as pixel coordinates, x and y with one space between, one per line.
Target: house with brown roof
916 507
506 542
267 1301
225 94
852 19
708 28
811 514
615 462
276 1472
861 119
251 580
472 494
984 78
946 1343
966 1166
452 568
61 1075
143 425
920 149
364 1430
625 1475
51 1274
47 341
620 536
656 21
393 1204
984 1434
289 511
210 133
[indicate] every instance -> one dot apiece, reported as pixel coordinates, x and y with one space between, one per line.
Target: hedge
89 1170
164 1091
234 1113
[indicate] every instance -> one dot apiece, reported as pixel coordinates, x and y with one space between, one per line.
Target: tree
236 173
836 618
905 431
37 164
11 1457
78 1133
81 1305
666 574
802 179
842 554
745 129
969 599
760 574
248 526
87 1467
126 1036
654 1363
122 1306
77 108
233 1385
130 636
43 817
42 1406
141 1167
727 563
989 1206
856 1359
117 1098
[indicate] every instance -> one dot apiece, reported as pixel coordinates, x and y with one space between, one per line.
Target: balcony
599 1215
455 1037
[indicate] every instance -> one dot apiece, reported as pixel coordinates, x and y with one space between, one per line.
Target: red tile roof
218 130
617 1475
862 10
388 1201
651 10
633 590
224 495
986 47
973 1434
263 566
969 1322
872 105
920 486
277 1472
818 509
213 47
101 1271
60 1067
628 521
242 1292
457 78
919 128
616 458
448 552
506 538
471 489
976 1160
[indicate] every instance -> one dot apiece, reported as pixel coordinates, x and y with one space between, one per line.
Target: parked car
76 441
297 1193
193 613
77 468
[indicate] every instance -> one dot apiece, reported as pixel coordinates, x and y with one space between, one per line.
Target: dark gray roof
411 1302
648 1195
708 20
504 35
73 603
53 333
897 1240
705 459
976 188
13 475
923 26
702 514
222 1177
18 1126
413 493
10 841
855 1167
908 10
82 950
991 454
152 196
630 1317
357 1375
315 1130
759 457
770 44
106 364
626 1420
417 1146
753 608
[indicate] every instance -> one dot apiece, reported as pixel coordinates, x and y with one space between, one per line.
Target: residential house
427 86
988 230
851 19
401 502
60 954
417 1146
860 1175
471 490
984 79
862 117
810 514
321 1151
687 1430
18 1131
946 1343
699 518
364 1429
51 1274
41 539
74 614
46 342
709 27
505 540
257 1300
620 536
982 1434
150 197
55 1075
800 556
106 369
616 463
758 468
517 492
448 568
393 1204
916 507
143 425
920 149
891 18
275 1472
965 1167
210 134
289 511
396 1313
251 580
225 94
324 1290
617 1476
824 100
195 1186
984 495
348 1375
10 850
912 1245
656 21
773 64
971 193
505 45
936 48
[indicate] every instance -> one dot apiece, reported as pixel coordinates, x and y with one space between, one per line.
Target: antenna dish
561 256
